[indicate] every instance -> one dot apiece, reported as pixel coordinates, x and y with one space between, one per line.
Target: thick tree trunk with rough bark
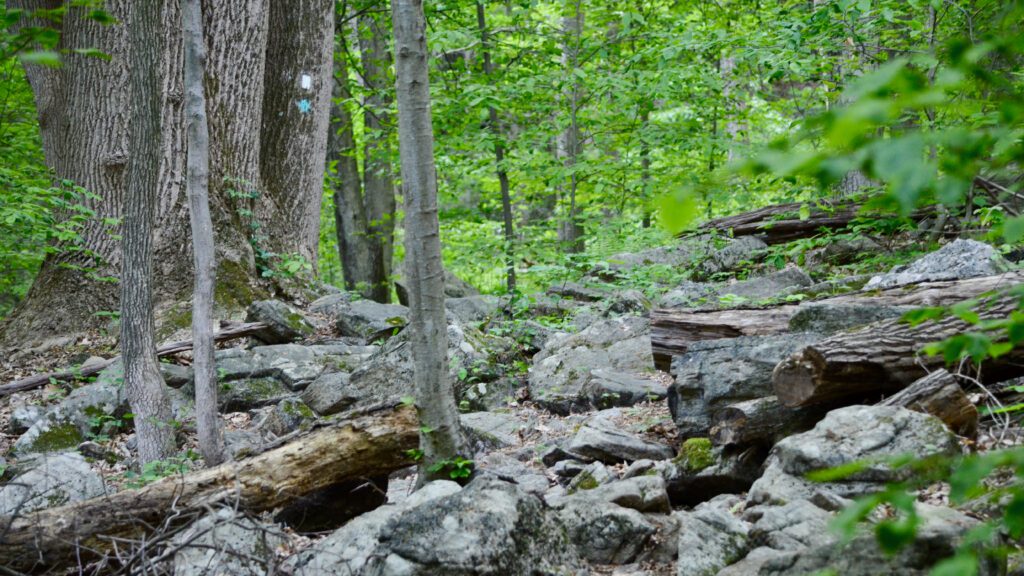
208 425
84 108
879 358
144 386
365 447
441 438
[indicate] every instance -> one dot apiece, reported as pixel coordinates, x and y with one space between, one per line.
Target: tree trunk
143 384
499 156
441 438
365 447
569 148
378 184
83 109
940 395
879 358
208 425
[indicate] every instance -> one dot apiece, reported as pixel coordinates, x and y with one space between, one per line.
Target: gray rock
687 295
175 375
226 543
562 370
828 318
619 265
840 252
957 260
792 526
581 292
599 440
330 394
770 285
48 482
492 429
729 471
641 493
939 535
473 308
509 469
242 443
713 374
292 365
852 434
710 538
23 416
568 469
285 323
729 257
605 533
370 320
608 388
330 303
752 562
590 477
250 393
627 302
454 287
287 416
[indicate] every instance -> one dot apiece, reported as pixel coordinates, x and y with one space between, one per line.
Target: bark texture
144 386
369 446
569 148
208 425
441 439
761 421
940 395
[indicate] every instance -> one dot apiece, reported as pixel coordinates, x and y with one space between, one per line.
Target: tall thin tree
211 440
143 383
441 437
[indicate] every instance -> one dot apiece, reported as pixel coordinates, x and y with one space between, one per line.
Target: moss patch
60 436
695 455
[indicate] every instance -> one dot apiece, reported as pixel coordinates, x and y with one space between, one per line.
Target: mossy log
368 446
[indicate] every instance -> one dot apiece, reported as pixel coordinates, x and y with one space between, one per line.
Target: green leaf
677 211
41 58
965 563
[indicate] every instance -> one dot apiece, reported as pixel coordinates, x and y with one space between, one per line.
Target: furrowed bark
208 425
940 395
144 386
441 439
879 358
368 446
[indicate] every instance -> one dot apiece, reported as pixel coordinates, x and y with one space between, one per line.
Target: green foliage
457 469
158 469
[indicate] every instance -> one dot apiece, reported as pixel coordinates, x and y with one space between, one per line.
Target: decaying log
368 446
761 421
880 358
673 330
940 395
782 223
37 380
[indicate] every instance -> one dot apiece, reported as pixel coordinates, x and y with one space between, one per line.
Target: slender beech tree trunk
499 156
570 230
441 436
211 440
143 384
645 166
378 183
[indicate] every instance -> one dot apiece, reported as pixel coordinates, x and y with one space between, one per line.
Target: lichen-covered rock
828 318
701 472
562 370
604 533
868 434
772 285
710 537
285 323
729 257
713 374
287 416
248 393
454 287
370 320
330 394
957 260
492 429
609 388
50 481
225 542
473 308
600 440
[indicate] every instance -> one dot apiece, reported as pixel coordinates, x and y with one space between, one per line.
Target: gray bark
499 157
143 384
570 231
441 438
208 425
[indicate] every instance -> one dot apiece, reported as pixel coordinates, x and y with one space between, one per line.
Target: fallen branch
37 380
368 446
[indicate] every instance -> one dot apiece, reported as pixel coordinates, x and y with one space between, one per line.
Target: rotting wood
367 446
940 395
229 333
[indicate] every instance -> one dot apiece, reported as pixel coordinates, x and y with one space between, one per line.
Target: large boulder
562 372
492 429
225 542
600 440
621 264
867 434
829 317
713 374
474 308
285 323
50 481
957 260
772 285
369 320
330 394
734 253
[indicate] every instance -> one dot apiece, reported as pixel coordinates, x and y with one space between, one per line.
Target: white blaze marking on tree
306 82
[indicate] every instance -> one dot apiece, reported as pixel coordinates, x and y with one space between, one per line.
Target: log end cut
796 379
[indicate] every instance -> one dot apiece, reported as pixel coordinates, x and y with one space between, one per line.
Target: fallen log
761 421
940 395
880 358
368 446
37 380
673 330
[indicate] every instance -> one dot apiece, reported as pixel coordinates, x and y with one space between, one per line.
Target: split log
229 333
673 330
880 358
368 446
940 395
761 421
